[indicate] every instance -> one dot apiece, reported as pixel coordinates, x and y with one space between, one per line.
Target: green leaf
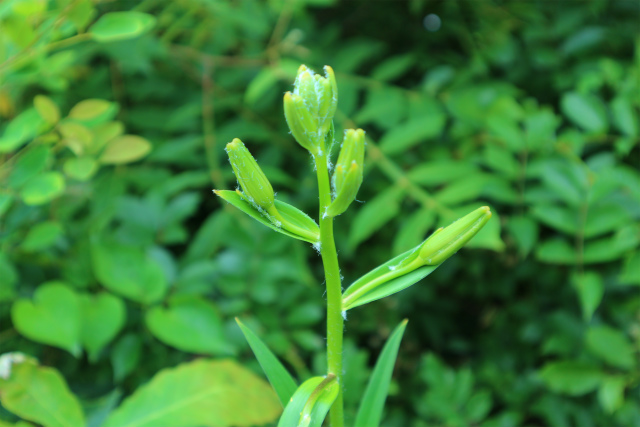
290 213
310 403
610 345
189 323
22 128
281 380
558 217
125 355
611 392
203 392
103 316
264 81
374 214
393 67
590 291
604 218
465 189
128 271
42 235
413 230
43 188
125 149
525 233
53 317
116 26
89 109
624 116
29 165
372 404
76 136
37 393
354 296
630 274
556 251
586 111
47 109
571 377
8 279
419 130
441 172
81 168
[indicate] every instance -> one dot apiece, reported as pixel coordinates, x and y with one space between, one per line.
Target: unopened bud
445 242
309 110
348 173
254 183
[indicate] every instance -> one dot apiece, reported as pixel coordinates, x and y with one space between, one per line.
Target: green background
117 260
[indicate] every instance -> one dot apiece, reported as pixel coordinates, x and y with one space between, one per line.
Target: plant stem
335 322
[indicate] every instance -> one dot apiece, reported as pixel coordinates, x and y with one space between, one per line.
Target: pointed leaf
372 404
204 392
355 295
282 382
290 213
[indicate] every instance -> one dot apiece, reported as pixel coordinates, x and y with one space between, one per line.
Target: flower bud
309 110
445 242
253 181
348 173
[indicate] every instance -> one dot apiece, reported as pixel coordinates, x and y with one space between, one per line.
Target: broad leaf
37 393
103 316
121 26
611 345
125 149
571 377
282 382
372 404
216 393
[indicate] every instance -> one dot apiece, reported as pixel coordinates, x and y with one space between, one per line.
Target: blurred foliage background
117 261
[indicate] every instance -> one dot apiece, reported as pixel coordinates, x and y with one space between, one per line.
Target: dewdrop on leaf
254 183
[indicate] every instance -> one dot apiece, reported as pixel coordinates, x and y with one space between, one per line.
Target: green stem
335 322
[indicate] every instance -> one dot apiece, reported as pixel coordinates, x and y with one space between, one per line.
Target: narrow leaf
290 213
309 404
372 404
282 382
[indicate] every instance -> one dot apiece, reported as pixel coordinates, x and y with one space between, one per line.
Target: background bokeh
531 107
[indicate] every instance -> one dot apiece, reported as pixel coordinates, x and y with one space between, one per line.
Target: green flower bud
309 110
348 173
445 242
253 181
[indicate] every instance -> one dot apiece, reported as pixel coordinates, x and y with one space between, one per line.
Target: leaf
76 136
125 149
47 109
128 271
290 213
281 380
611 392
356 294
103 316
556 251
630 274
465 189
413 132
116 26
393 67
610 345
33 162
264 81
38 394
372 404
43 188
125 355
374 214
8 279
21 129
413 230
624 116
189 323
310 402
586 111
441 172
42 235
81 168
590 291
571 377
557 217
89 109
525 233
604 218
200 393
53 317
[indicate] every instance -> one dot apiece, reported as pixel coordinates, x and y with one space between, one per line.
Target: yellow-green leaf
89 109
47 109
125 149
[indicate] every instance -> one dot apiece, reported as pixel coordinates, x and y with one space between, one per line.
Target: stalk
335 322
